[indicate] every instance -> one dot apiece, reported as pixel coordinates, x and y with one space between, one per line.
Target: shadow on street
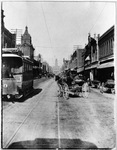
30 95
52 143
75 96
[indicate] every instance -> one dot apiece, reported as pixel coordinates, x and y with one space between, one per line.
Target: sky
55 27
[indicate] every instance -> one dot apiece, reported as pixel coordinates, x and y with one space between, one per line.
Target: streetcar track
9 141
62 139
59 142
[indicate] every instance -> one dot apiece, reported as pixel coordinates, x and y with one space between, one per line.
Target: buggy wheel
66 95
66 92
60 93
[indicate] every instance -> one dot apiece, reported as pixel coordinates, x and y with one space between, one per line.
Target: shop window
109 46
103 50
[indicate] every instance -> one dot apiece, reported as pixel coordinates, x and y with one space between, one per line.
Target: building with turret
26 44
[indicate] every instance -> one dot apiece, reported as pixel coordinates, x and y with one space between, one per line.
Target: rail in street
44 120
22 123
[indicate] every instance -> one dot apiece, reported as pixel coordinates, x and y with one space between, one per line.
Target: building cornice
106 33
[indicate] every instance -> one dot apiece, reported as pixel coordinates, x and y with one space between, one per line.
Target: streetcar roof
17 56
11 55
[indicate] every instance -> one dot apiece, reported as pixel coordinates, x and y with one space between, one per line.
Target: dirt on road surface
89 119
45 120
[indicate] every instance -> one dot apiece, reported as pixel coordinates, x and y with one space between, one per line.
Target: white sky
55 27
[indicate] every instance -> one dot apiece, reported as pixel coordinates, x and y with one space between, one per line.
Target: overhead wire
97 18
46 25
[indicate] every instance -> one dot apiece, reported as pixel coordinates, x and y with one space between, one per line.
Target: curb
107 95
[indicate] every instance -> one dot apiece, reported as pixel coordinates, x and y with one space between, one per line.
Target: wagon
74 89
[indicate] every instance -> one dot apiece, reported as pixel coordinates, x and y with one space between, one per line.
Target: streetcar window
10 66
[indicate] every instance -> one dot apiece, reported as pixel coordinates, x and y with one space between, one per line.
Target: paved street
44 120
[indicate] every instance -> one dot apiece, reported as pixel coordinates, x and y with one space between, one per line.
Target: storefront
106 71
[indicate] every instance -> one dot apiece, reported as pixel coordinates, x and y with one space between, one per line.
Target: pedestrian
89 83
85 90
101 87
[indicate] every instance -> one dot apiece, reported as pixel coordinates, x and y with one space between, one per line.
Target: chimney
89 37
98 36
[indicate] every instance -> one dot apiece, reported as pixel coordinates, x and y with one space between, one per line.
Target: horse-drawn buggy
75 89
68 86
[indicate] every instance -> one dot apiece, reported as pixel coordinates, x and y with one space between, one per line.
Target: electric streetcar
17 75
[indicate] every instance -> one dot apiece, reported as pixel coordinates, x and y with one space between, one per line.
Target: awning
91 67
73 69
87 68
87 58
106 65
80 70
94 66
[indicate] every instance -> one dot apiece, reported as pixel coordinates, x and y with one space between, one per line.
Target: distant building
73 60
47 69
56 68
80 61
26 44
65 64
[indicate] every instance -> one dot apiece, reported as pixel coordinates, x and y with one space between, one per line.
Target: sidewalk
108 95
